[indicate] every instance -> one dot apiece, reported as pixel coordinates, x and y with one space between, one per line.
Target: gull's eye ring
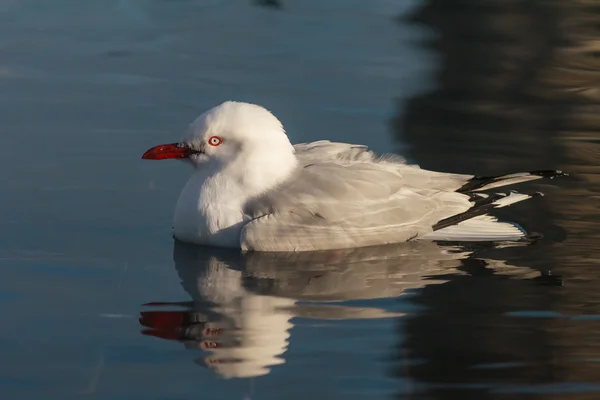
215 140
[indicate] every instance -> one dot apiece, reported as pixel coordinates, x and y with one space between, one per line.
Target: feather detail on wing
344 196
327 205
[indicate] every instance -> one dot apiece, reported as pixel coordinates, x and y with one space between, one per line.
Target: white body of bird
252 189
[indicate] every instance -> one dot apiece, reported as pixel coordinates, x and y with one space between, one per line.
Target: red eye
215 141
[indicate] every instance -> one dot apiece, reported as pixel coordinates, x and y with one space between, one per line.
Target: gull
251 189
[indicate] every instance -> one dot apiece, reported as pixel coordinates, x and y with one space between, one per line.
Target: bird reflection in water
243 304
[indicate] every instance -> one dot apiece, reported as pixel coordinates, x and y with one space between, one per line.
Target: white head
236 138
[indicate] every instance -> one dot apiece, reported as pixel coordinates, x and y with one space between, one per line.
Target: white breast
208 212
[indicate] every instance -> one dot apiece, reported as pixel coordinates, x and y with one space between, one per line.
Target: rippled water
96 299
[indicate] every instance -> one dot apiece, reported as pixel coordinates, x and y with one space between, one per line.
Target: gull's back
349 154
343 196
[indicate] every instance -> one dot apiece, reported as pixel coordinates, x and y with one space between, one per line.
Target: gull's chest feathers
209 210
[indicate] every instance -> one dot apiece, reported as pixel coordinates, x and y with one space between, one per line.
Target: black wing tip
549 173
477 182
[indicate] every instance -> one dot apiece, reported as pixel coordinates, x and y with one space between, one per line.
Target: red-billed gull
253 190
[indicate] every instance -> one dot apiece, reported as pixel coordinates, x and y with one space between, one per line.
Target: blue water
86 251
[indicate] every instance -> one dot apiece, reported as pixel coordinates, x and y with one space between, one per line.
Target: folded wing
344 196
329 205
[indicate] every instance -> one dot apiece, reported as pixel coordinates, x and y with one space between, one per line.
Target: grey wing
325 150
330 206
349 154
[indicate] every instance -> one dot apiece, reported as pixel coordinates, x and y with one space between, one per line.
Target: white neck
258 172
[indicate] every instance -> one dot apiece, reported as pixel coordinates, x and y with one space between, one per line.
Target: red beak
165 151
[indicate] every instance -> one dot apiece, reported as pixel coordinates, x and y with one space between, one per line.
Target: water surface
99 302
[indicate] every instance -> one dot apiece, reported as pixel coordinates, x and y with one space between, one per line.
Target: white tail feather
484 228
511 179
512 198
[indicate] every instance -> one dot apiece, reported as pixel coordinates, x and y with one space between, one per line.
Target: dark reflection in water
243 305
500 86
517 89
